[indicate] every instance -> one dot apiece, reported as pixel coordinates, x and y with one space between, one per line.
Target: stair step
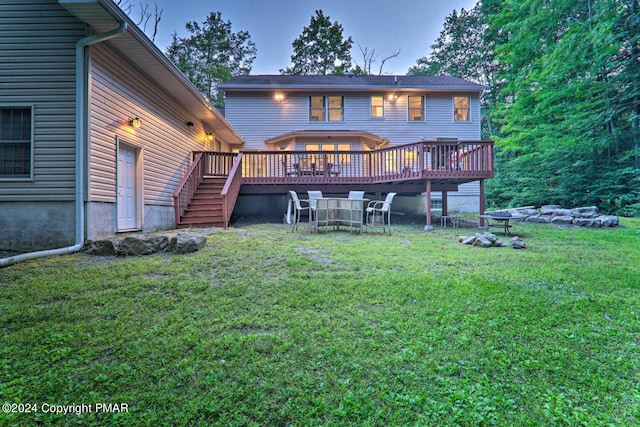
205 202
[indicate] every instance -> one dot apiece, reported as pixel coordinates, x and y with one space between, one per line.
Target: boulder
562 220
586 222
562 212
186 244
466 240
482 242
142 245
585 212
99 247
548 209
523 212
517 243
539 219
608 220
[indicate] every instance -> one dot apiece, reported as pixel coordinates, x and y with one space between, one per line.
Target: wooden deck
405 169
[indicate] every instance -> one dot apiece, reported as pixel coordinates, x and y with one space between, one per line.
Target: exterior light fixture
278 96
392 97
135 122
209 136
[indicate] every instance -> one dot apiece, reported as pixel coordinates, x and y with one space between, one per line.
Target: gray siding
258 117
37 67
120 92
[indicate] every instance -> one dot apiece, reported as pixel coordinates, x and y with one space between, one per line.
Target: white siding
37 67
258 117
120 92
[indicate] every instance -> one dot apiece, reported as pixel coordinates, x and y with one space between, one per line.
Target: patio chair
313 204
299 205
377 210
356 194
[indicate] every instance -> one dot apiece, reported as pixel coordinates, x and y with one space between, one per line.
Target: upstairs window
416 108
15 142
377 106
316 108
326 108
461 109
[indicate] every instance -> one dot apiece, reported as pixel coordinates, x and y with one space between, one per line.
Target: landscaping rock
586 222
562 219
186 244
608 220
517 243
483 240
548 209
585 212
539 219
142 245
99 247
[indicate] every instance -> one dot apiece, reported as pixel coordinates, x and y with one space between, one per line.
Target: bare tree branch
385 59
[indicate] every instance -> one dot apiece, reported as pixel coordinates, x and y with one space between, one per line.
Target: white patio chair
299 205
356 194
377 210
313 196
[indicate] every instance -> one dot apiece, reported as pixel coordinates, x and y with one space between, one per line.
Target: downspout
81 89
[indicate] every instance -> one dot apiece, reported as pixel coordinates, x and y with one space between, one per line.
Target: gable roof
350 83
138 49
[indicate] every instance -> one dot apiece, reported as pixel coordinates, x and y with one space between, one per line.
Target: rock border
586 216
490 240
147 244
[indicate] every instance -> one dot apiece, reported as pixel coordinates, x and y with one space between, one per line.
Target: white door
126 188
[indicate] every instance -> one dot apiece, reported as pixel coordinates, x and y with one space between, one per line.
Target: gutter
81 89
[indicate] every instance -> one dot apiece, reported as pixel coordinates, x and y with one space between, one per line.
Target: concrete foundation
32 226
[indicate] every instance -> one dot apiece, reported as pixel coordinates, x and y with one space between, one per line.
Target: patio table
501 221
338 211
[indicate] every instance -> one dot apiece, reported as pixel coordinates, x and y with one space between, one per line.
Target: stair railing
231 189
188 186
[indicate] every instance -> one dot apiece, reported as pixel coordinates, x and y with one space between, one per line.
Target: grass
271 328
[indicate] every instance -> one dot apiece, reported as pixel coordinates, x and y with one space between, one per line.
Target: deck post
445 207
482 202
428 226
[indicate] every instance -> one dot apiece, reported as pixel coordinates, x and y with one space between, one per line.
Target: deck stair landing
205 209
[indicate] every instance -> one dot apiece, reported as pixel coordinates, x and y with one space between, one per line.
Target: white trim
139 186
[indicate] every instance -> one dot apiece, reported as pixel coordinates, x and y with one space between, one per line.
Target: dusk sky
386 26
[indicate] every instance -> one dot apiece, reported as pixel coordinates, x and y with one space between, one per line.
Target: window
326 108
377 106
15 142
316 108
416 108
461 109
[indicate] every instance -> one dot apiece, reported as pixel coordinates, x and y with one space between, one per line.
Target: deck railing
231 188
423 160
454 160
188 186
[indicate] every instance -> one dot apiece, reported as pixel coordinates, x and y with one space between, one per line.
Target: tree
368 58
212 54
564 98
320 49
144 17
568 109
463 49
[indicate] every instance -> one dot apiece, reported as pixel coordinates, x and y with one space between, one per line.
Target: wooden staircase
206 206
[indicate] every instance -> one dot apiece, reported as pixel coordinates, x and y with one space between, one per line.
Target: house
97 126
342 114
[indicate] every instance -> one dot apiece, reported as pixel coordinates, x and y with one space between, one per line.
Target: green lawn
271 328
